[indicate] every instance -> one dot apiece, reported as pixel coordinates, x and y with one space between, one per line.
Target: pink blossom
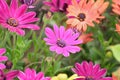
15 17
30 74
2 58
62 41
88 71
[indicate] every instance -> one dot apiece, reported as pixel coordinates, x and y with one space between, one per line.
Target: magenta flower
58 5
2 58
28 2
8 76
88 71
61 41
15 18
30 74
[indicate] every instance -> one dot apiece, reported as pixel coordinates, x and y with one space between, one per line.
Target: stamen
61 43
89 78
81 17
12 22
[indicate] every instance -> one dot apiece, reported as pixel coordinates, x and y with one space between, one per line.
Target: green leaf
116 51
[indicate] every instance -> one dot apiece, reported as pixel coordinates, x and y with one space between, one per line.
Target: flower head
15 18
28 2
116 6
8 76
88 71
62 41
30 74
2 58
83 13
58 5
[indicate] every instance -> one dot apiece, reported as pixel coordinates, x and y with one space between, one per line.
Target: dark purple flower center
8 64
12 22
89 78
61 43
28 2
81 17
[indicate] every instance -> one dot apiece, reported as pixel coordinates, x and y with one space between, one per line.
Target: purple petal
90 67
13 5
101 73
12 74
2 51
20 11
21 76
17 30
59 50
2 66
86 67
50 41
62 30
39 76
29 20
96 68
65 53
73 49
53 9
68 34
53 48
28 15
30 26
106 78
49 33
56 30
3 58
47 3
80 69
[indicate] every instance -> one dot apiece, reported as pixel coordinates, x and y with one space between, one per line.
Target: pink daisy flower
58 5
15 18
8 76
62 41
2 58
88 71
30 74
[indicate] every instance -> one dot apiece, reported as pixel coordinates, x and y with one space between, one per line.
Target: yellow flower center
12 22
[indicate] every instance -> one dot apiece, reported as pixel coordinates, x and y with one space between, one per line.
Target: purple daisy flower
88 71
58 5
15 18
28 2
30 74
2 58
61 41
8 76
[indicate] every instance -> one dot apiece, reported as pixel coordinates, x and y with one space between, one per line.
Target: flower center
89 78
12 22
81 17
28 2
61 43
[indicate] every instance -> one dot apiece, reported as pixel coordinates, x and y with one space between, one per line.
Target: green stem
42 31
32 64
5 39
